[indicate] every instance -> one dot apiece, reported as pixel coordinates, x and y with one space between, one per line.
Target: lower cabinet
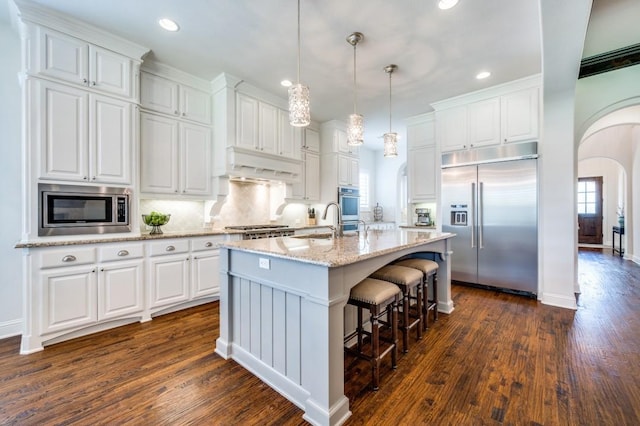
82 289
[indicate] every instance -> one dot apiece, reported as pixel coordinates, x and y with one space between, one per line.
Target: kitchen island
282 307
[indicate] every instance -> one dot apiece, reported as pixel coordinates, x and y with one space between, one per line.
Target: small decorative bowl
155 222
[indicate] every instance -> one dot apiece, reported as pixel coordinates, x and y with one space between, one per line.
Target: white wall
10 174
368 164
387 171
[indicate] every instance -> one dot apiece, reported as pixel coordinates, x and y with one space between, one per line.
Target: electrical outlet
264 263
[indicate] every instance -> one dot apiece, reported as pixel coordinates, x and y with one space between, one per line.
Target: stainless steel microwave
71 209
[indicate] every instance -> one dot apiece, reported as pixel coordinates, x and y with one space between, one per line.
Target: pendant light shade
390 138
299 104
355 130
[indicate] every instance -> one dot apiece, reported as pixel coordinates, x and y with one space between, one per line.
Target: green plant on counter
155 219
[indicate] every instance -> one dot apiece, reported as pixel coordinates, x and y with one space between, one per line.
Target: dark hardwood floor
498 359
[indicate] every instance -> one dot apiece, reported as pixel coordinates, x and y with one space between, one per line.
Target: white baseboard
559 300
10 328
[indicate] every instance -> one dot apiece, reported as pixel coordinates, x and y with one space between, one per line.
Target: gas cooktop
254 227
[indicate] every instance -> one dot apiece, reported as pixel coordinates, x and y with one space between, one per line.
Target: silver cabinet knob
170 248
123 253
69 258
208 244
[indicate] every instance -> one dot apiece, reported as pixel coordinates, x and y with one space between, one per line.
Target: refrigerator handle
480 218
473 215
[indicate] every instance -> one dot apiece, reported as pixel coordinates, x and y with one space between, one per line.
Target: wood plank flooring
498 359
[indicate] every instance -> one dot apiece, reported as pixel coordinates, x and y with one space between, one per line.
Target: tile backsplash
185 215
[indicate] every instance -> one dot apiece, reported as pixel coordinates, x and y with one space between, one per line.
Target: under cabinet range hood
250 131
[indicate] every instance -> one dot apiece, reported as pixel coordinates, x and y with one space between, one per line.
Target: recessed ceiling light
447 4
482 75
286 83
169 24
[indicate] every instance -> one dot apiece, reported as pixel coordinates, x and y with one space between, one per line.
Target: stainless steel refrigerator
489 199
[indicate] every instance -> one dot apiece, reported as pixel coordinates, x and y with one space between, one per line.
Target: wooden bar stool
429 269
407 279
380 298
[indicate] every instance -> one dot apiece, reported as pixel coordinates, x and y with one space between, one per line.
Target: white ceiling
438 52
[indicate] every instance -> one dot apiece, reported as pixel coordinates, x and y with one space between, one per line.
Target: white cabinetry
205 267
508 113
340 164
168 272
291 137
308 189
170 97
67 58
520 116
83 136
176 156
77 290
422 164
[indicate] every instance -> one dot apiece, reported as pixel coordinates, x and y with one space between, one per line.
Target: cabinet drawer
169 247
121 252
208 243
68 257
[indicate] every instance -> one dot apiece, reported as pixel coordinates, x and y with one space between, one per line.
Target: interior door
590 210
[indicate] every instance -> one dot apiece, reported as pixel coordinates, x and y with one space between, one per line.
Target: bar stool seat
429 268
380 298
406 279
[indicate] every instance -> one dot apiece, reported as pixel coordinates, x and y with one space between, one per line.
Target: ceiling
438 52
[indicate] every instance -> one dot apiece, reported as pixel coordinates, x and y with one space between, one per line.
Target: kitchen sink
313 236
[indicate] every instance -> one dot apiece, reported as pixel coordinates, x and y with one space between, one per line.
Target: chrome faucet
338 226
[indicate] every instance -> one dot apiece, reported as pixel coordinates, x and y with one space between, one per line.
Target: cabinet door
484 123
520 121
110 140
68 298
61 56
158 154
247 122
344 170
120 290
205 274
311 176
311 140
451 128
195 104
109 72
354 171
290 137
422 174
341 144
421 134
195 159
268 123
169 280
62 129
158 94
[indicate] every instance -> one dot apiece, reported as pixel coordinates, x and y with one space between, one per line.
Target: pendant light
355 130
299 105
390 138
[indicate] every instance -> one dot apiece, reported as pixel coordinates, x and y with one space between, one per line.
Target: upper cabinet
422 164
509 113
82 137
75 61
340 163
173 98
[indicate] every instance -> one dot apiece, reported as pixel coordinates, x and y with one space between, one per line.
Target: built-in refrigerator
489 199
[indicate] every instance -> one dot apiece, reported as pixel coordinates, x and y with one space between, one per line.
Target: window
364 191
587 197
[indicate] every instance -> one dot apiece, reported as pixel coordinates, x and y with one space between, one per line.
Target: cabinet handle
93 178
101 269
176 112
170 248
85 177
123 253
208 244
85 81
93 270
69 258
184 114
93 83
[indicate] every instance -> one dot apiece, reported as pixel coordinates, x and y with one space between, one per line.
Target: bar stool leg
375 342
419 293
394 332
359 329
435 296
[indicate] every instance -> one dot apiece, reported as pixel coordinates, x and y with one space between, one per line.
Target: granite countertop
341 251
417 227
92 239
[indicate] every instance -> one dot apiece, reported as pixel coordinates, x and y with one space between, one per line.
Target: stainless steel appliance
423 217
489 199
254 232
71 209
349 200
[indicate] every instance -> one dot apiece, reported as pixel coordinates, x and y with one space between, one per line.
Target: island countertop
340 251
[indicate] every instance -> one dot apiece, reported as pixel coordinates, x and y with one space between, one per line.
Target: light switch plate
264 263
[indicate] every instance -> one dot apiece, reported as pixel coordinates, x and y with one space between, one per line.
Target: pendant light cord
298 42
390 101
355 87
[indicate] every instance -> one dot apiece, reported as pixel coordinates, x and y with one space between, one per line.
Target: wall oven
71 209
349 200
